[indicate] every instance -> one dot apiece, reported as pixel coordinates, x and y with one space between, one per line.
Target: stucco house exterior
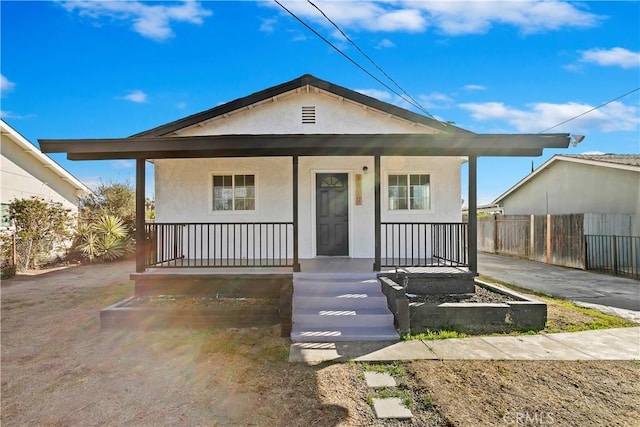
302 170
596 183
604 187
26 172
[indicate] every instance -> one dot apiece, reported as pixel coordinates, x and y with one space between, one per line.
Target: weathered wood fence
564 240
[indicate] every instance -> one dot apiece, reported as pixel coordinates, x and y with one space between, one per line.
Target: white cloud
616 56
365 15
449 17
375 93
123 164
476 17
436 100
149 20
613 117
137 96
5 84
5 114
181 105
385 43
268 25
475 87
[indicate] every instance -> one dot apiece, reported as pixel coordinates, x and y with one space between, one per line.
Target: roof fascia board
599 163
46 161
300 82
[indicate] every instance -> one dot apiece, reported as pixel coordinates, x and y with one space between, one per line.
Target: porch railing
260 244
420 244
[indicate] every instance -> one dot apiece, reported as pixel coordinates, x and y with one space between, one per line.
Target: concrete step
301 277
342 318
387 333
336 289
353 302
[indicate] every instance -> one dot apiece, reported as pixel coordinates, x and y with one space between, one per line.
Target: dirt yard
59 369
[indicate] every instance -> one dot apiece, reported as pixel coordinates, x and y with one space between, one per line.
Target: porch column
296 261
140 232
376 213
472 230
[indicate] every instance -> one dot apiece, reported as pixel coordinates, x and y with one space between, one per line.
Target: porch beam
457 144
140 220
472 229
296 260
377 214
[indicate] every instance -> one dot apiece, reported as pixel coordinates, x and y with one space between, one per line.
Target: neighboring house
26 172
593 203
306 169
565 184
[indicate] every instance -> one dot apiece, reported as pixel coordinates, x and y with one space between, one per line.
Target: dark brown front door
332 214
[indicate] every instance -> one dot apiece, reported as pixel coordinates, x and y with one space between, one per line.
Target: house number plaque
358 189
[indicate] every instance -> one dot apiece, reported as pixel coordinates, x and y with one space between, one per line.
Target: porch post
376 214
296 261
140 231
472 236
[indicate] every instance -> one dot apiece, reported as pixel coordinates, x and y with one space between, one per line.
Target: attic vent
308 115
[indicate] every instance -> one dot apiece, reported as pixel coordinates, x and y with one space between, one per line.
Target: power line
593 109
415 102
347 56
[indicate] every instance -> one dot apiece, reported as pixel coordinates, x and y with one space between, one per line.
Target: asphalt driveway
568 283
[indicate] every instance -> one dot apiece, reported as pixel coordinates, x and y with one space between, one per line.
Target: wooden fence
554 239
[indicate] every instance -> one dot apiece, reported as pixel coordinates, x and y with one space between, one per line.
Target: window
4 216
234 193
409 192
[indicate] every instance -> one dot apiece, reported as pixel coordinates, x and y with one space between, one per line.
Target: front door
332 214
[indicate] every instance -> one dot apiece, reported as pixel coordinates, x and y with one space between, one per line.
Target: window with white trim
234 193
409 192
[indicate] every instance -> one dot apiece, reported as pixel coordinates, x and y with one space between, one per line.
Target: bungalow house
26 172
306 172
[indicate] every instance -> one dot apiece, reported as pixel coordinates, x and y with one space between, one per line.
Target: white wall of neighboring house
26 172
571 187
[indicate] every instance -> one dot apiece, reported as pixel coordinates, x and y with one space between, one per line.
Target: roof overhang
166 147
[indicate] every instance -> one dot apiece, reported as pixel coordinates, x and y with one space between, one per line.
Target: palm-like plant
105 239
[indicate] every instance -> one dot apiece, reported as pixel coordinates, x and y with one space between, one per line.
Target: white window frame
408 175
233 181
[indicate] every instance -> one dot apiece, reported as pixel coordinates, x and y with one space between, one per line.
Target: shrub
41 227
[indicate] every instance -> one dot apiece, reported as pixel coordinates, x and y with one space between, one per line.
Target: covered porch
254 245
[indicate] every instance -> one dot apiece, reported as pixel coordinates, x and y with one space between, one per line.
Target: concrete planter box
520 313
120 315
276 286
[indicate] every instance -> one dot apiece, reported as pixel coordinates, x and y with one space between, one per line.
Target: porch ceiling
164 147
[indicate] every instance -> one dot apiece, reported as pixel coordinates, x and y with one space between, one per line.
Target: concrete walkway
604 344
568 283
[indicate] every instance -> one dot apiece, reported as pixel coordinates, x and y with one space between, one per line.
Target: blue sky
93 69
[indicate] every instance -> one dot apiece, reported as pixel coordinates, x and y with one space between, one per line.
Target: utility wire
593 109
324 39
415 102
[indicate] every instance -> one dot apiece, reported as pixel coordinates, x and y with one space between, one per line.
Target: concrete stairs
330 307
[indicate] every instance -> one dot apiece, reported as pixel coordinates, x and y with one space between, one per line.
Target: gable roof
300 82
8 132
615 161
